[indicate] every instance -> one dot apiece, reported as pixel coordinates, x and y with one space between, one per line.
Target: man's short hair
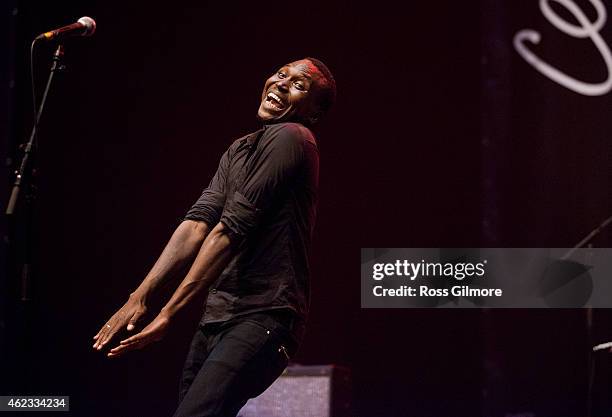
327 92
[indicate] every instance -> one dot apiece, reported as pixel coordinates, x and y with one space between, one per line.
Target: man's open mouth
275 101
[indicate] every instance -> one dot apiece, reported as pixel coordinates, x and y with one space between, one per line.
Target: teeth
275 97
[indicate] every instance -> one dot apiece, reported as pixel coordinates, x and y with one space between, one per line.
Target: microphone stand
22 238
589 318
588 237
27 148
21 176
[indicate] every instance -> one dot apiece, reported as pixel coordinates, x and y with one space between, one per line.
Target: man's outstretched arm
281 156
213 257
179 252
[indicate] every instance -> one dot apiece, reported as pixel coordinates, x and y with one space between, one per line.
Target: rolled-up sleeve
209 206
267 174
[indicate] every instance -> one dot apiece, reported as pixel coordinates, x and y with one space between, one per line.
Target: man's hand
154 332
127 316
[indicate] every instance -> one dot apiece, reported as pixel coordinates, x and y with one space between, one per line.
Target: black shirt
265 192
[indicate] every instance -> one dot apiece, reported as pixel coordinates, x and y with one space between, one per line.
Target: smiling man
246 243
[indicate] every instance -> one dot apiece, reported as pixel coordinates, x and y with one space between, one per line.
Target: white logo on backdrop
585 29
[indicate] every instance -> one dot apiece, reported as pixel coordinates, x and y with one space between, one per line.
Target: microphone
85 26
602 346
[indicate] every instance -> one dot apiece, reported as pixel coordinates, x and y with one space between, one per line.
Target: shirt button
213 290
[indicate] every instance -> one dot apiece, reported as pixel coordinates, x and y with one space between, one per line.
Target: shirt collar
250 139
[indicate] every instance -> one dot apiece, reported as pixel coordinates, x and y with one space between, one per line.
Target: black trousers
230 362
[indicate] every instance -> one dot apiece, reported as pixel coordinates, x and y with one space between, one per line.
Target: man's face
290 93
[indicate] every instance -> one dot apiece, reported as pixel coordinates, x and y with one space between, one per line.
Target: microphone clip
58 55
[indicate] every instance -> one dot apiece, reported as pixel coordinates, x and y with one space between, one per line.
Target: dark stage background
443 136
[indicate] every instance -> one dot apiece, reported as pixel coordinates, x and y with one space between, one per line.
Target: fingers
135 342
103 336
133 339
135 319
103 330
152 333
98 336
108 330
121 350
127 316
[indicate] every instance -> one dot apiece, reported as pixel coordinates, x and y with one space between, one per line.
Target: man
247 240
